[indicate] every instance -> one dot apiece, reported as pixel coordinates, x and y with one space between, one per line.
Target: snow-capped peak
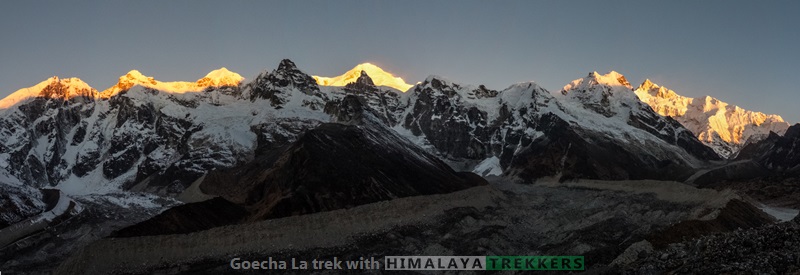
53 87
608 94
523 93
378 76
441 84
216 78
648 88
723 127
441 79
220 77
611 79
647 85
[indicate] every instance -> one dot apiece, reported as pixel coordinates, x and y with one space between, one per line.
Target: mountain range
287 143
143 132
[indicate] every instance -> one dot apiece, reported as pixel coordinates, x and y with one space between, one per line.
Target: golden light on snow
378 76
75 87
217 78
710 119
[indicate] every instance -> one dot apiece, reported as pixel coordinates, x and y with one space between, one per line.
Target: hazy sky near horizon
742 52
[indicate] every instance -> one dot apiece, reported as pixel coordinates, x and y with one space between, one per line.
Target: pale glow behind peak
378 76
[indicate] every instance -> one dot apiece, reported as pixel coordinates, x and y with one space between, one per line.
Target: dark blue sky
742 52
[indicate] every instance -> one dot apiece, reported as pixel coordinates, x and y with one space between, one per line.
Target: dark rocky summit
779 154
363 84
277 85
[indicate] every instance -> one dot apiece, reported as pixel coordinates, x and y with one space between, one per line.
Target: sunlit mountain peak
725 128
216 78
612 79
53 87
220 77
378 75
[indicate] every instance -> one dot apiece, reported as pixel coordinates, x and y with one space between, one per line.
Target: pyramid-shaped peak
288 69
653 89
287 64
365 79
378 76
362 84
647 84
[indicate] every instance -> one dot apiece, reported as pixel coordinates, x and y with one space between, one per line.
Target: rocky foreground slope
771 249
599 220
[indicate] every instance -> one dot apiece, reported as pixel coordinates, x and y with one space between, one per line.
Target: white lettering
235 263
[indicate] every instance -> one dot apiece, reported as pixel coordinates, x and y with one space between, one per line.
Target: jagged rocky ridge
768 170
161 141
595 129
355 161
779 154
774 158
